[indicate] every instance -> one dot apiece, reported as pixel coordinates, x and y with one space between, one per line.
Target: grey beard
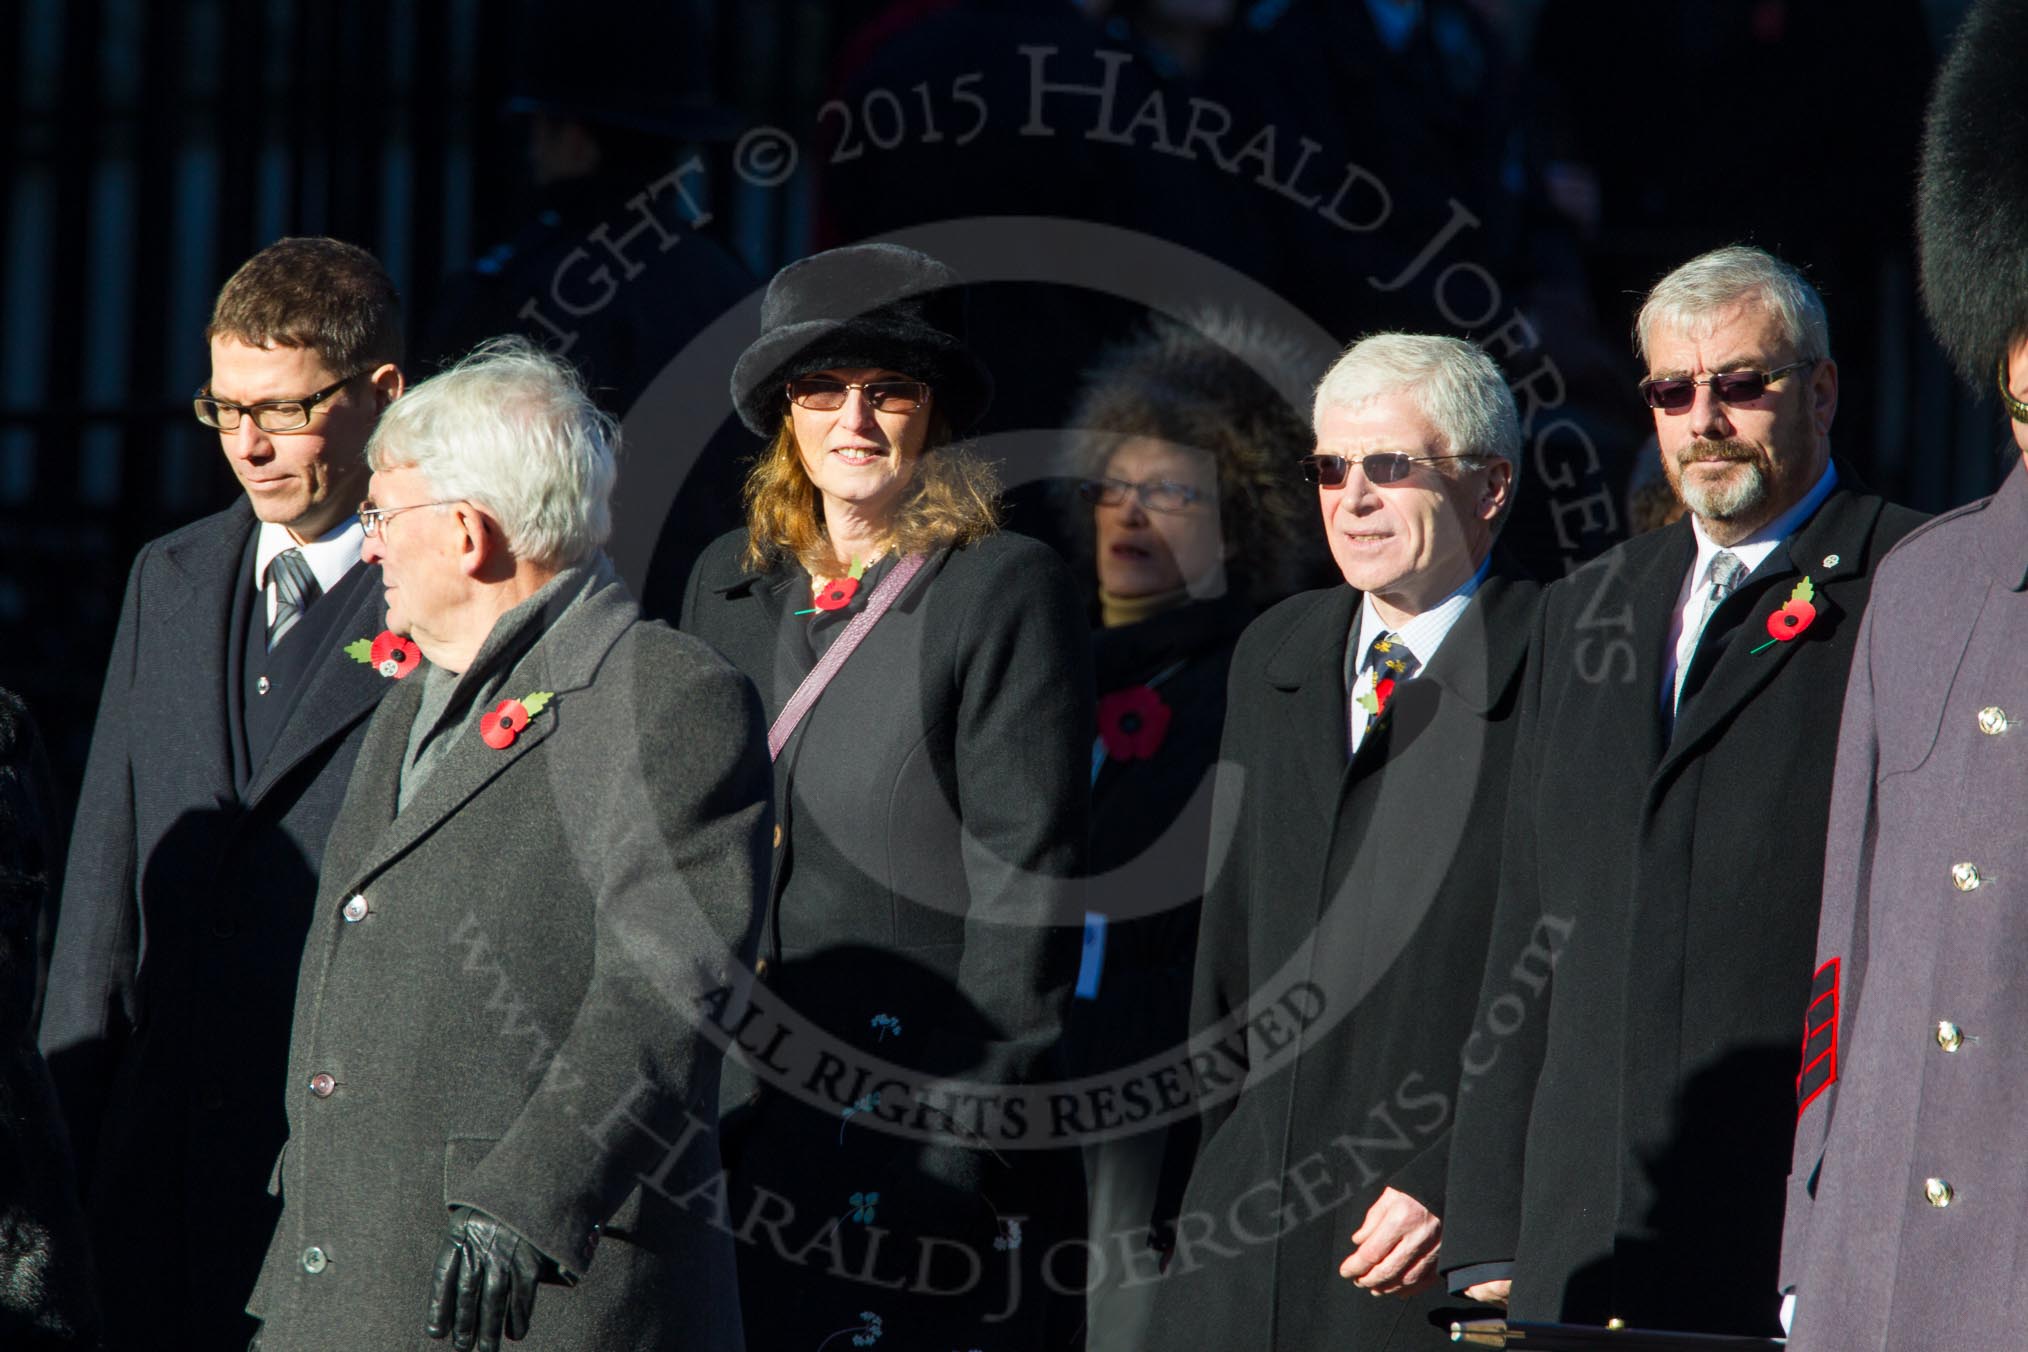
1723 502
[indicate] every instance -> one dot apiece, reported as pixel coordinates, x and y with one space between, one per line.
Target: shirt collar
330 556
1422 635
1754 549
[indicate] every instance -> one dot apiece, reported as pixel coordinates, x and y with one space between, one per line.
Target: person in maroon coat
1907 1219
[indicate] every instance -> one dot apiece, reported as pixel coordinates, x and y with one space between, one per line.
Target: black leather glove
484 1284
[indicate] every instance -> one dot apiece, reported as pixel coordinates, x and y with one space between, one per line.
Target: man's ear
1824 395
388 383
479 541
1499 487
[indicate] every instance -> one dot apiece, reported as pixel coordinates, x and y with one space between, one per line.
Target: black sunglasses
824 395
1673 394
1382 467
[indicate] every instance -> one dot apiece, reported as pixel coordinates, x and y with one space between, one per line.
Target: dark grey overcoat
502 984
184 906
1915 1050
931 806
1625 1145
1346 923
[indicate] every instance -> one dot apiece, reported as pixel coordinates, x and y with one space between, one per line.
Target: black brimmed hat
1972 204
864 305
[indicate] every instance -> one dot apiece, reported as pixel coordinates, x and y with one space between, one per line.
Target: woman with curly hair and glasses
928 686
1191 513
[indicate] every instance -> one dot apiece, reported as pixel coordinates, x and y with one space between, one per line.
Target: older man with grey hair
1363 771
548 862
1621 1156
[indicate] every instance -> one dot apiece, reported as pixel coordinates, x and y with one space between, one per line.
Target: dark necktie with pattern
1391 663
295 588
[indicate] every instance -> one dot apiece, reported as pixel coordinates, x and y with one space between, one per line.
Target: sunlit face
859 459
1142 552
1739 466
309 480
1413 542
420 573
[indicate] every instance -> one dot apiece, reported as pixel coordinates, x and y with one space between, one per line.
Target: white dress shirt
1752 552
1422 635
330 556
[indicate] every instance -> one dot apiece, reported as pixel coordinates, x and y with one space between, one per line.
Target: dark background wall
148 148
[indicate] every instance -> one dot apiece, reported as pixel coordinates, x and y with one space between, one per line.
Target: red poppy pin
835 593
392 655
1376 689
1133 723
506 720
1796 615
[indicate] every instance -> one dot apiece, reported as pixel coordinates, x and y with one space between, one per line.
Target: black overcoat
930 806
185 902
1916 1050
1350 906
1626 1141
1151 828
500 999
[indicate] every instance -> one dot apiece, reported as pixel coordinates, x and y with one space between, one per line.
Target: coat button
760 967
314 1260
261 686
778 835
1992 720
1937 1192
321 1084
1949 1036
222 927
355 909
1616 1324
1965 877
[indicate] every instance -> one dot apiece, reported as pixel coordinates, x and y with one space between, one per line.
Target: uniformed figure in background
1908 1202
614 264
227 728
1623 1138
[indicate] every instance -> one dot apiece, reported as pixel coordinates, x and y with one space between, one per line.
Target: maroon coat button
322 1084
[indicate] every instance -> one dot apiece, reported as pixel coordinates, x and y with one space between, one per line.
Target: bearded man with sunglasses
226 732
1362 777
1622 1148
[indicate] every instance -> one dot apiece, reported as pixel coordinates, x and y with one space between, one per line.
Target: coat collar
565 659
2006 530
1833 549
1133 652
1474 668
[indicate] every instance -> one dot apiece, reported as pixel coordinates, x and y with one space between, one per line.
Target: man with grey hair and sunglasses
1622 1151
1363 770
547 870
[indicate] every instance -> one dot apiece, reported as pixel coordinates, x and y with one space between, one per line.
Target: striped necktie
295 588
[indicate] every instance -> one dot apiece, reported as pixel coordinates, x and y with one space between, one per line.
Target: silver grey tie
295 588
1726 573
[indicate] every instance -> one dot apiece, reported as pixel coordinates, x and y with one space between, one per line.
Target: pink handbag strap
841 648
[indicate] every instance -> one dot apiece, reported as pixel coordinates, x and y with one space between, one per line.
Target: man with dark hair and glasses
1362 774
1622 1151
227 729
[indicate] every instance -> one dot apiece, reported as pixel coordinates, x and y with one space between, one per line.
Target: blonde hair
952 499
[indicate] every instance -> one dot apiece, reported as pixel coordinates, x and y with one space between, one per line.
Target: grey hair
511 428
1453 384
1714 282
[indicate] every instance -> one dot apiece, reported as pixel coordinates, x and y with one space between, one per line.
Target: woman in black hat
928 684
